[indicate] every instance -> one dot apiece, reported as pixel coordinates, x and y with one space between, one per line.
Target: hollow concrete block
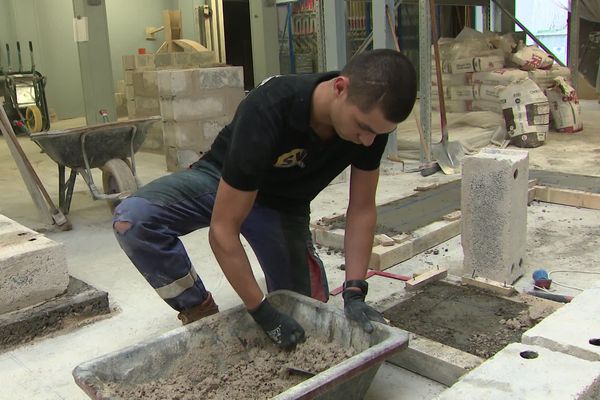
192 108
178 159
145 83
494 213
219 77
526 372
175 82
33 268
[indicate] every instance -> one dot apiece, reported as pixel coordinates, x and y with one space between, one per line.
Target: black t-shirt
269 146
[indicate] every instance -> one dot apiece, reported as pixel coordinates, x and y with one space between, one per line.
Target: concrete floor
42 369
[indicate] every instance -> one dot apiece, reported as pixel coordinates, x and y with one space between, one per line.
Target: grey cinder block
494 213
33 268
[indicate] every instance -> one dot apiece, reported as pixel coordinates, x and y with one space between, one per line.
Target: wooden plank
428 277
28 179
531 184
531 195
385 240
568 197
427 187
401 238
488 284
453 216
420 240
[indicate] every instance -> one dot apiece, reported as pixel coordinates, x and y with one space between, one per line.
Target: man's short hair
384 78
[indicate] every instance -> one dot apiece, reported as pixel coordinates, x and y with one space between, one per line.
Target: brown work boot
204 309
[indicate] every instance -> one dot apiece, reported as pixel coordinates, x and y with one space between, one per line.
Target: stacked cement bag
565 110
488 72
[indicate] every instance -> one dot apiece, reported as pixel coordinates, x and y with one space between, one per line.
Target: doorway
238 38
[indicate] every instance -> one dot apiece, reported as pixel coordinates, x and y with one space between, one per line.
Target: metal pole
574 42
335 34
425 77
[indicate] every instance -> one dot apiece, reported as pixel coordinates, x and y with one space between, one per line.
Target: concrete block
154 141
144 61
131 110
120 99
121 86
129 92
191 108
181 59
494 213
178 159
145 83
233 97
219 77
203 59
33 268
184 134
128 62
573 329
128 75
212 127
147 106
510 374
164 60
175 82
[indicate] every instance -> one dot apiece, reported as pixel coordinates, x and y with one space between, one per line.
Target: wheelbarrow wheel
33 119
117 178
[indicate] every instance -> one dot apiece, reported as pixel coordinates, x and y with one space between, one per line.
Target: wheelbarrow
110 147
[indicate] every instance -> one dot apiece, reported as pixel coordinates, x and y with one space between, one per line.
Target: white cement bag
545 77
472 64
452 79
532 57
488 92
462 92
526 113
565 110
500 76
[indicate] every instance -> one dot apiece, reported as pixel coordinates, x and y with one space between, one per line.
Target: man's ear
340 85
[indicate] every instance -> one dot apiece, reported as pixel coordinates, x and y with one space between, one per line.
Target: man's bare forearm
233 260
358 241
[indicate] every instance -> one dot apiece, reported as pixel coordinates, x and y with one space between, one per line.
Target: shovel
447 154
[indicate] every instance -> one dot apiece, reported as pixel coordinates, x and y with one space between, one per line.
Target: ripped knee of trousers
121 227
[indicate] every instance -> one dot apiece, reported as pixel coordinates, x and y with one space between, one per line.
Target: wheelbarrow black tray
102 142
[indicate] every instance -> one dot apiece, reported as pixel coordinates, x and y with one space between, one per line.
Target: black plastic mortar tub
157 358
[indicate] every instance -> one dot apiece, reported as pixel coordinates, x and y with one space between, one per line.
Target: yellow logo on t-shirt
291 159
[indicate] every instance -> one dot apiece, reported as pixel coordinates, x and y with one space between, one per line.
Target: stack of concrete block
141 87
33 268
494 213
195 105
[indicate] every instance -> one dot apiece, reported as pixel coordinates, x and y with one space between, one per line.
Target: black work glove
355 306
280 328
